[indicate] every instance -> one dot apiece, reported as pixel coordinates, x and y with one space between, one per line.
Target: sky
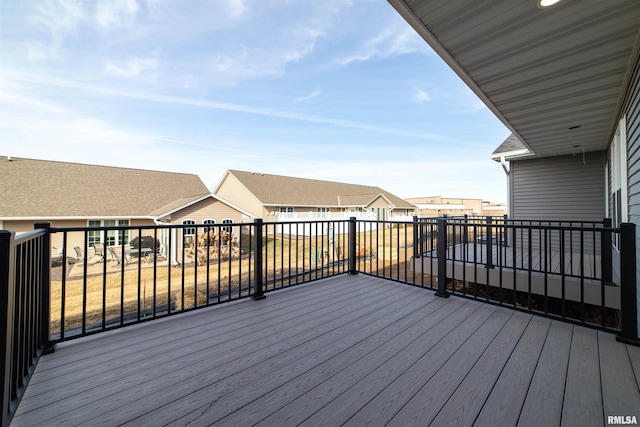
334 90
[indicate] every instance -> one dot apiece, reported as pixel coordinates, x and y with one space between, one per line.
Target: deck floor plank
634 357
583 397
386 403
619 390
141 377
502 408
423 405
359 382
185 346
341 349
418 362
334 376
545 394
351 350
468 400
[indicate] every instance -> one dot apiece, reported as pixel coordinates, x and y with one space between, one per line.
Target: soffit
541 71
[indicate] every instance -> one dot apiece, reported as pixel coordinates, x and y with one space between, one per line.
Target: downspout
507 170
505 165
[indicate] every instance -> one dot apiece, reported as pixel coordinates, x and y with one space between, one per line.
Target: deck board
346 350
618 390
583 398
510 390
523 258
545 394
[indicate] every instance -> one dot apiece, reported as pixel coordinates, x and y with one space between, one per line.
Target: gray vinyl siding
563 188
559 188
632 113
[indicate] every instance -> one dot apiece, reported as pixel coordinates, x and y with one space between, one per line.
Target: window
381 213
227 221
208 222
285 209
619 207
323 212
188 233
114 237
93 236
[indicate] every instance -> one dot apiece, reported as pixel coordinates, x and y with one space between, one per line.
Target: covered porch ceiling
554 76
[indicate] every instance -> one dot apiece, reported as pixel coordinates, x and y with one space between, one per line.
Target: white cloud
396 39
12 101
116 13
225 106
237 8
132 68
421 96
309 97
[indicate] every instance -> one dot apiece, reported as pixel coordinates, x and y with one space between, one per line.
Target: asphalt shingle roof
512 143
41 188
278 190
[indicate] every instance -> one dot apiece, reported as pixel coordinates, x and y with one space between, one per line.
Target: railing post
442 258
416 238
7 298
465 230
45 259
628 291
489 243
606 249
257 263
507 237
352 246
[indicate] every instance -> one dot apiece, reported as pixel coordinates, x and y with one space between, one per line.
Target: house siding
208 209
632 113
559 188
233 191
562 188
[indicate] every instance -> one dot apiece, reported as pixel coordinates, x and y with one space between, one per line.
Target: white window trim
191 222
117 234
619 180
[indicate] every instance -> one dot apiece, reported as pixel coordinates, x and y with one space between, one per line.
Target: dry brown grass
119 290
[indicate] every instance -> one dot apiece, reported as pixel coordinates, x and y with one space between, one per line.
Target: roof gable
278 190
510 149
48 189
185 202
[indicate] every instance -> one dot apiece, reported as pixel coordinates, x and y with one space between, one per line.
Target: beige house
80 195
438 206
281 198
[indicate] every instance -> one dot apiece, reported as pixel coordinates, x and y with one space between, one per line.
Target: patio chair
79 254
91 259
116 253
98 249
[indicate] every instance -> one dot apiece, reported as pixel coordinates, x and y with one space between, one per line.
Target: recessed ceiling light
547 3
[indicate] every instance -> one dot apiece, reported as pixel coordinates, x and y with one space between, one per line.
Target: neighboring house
438 206
80 195
282 198
565 80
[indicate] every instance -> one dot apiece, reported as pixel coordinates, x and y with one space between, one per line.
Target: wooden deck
351 350
572 263
551 271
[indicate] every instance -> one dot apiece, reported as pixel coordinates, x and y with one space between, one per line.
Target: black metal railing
162 270
24 314
561 269
59 284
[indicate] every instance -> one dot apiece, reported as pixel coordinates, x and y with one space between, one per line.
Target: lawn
112 291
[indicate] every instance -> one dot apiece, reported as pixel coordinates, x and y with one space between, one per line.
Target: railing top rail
147 227
29 235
